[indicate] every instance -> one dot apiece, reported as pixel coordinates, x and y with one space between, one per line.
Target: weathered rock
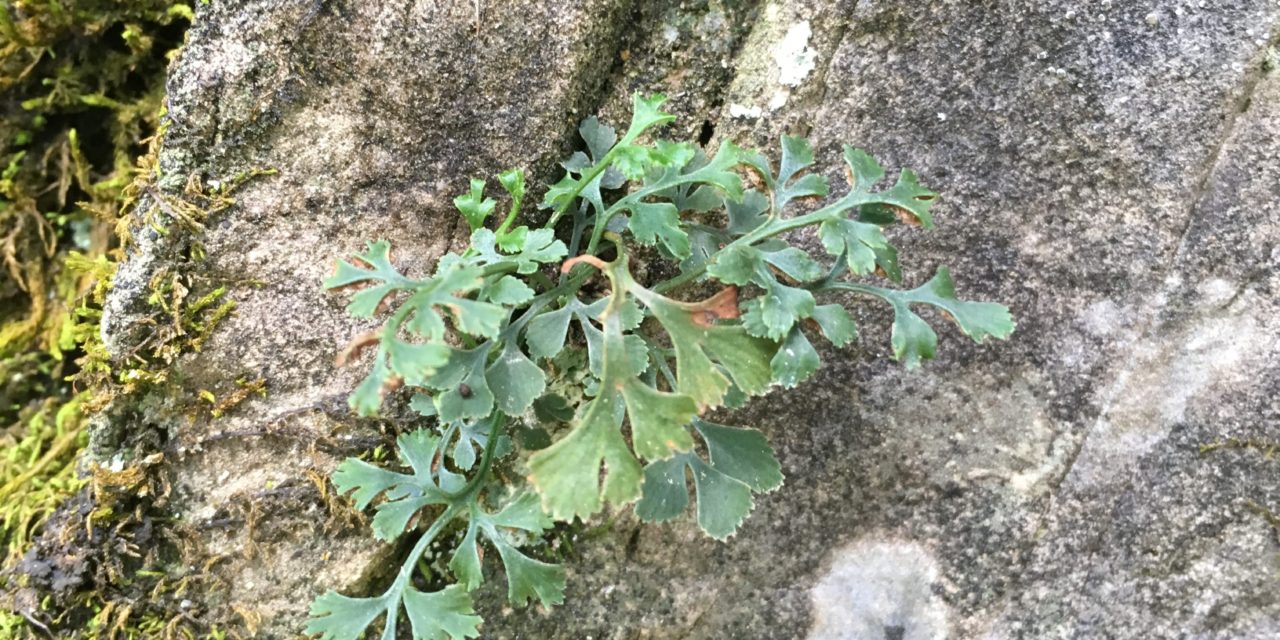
1072 145
375 115
1108 170
1147 536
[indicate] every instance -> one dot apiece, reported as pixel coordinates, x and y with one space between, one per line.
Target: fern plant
518 336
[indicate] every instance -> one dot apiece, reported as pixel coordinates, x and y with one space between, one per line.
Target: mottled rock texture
1111 170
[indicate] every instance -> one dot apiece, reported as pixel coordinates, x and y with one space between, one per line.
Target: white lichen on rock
793 55
879 589
780 59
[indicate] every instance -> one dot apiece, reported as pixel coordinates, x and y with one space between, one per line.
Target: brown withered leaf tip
906 217
353 286
354 348
721 306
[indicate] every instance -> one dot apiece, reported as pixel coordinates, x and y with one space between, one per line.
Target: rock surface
1108 169
374 115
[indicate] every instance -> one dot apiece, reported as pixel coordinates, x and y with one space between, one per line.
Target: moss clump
83 82
83 87
38 472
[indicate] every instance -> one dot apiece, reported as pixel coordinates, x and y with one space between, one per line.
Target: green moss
80 125
183 316
82 84
1268 448
37 472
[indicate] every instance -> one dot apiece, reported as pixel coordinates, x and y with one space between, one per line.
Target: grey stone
1071 144
1107 169
879 589
1147 535
375 116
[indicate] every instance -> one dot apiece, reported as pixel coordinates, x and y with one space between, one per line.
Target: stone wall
1108 169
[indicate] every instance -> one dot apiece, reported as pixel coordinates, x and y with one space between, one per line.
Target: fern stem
586 179
419 548
458 503
486 460
759 234
682 279
498 267
868 290
511 216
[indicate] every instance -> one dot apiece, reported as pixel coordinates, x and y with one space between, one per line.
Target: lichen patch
879 589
